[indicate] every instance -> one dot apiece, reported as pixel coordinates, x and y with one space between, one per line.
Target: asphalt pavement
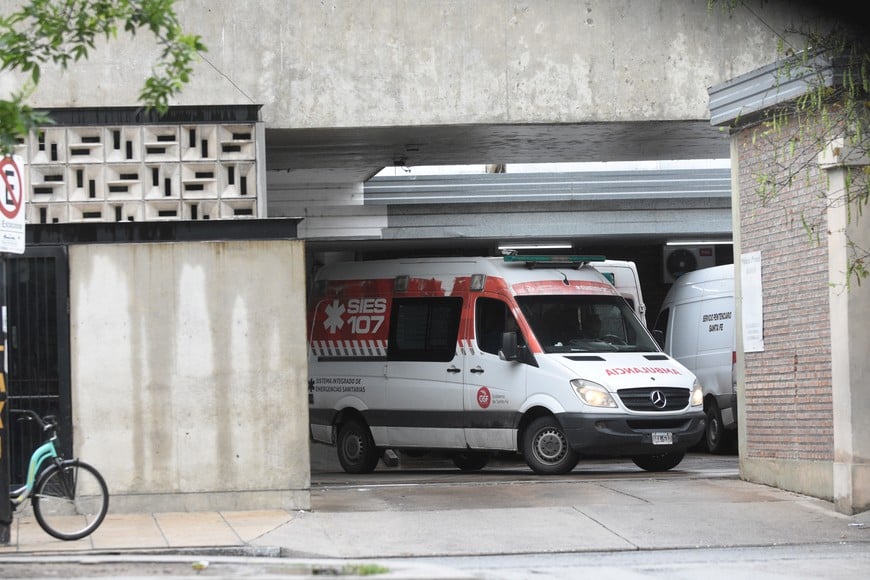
429 523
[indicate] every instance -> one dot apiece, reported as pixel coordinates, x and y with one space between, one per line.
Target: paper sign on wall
750 283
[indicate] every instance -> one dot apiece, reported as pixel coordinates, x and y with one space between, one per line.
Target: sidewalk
152 532
187 545
612 515
395 522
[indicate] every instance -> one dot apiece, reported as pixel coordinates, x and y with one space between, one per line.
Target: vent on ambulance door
677 260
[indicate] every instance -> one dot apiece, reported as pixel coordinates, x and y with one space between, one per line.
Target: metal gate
38 349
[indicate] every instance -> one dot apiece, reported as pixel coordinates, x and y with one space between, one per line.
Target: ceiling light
698 242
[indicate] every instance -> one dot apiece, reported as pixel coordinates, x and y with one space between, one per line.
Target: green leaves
16 119
63 32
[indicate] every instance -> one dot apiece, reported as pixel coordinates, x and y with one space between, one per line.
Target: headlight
697 394
592 394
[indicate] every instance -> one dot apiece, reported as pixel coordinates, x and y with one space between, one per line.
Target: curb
142 565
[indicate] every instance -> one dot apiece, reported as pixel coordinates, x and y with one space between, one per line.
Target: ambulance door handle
454 369
477 370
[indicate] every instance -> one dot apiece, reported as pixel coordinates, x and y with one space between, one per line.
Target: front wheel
356 448
546 449
70 500
660 462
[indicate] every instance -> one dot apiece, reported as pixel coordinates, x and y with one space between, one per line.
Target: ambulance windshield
582 323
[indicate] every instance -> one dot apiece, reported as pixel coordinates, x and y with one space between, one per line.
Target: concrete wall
189 373
369 63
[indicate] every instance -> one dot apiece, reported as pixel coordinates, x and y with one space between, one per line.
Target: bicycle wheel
70 500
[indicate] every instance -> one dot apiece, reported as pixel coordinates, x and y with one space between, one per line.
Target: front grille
642 399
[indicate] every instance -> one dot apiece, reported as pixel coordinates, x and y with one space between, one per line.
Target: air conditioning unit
677 260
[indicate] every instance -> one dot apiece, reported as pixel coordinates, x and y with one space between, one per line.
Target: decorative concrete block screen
141 173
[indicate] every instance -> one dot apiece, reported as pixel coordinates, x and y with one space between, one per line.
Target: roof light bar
547 246
553 260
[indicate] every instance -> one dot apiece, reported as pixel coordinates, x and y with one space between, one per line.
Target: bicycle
69 497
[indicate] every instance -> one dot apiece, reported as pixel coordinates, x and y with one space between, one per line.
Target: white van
623 275
696 326
476 356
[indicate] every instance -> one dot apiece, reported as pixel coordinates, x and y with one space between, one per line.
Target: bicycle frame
46 451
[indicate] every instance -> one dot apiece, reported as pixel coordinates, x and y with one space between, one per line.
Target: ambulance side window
424 329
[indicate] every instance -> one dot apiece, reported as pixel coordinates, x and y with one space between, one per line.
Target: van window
684 342
424 329
662 321
582 323
492 319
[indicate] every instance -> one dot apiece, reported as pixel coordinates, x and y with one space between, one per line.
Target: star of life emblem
334 320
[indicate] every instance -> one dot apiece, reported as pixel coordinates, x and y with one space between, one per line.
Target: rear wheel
546 449
660 462
470 461
356 448
70 500
716 438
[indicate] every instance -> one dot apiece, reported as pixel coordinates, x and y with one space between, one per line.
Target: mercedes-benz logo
658 399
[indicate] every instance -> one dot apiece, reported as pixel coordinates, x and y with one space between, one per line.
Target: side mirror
508 349
660 338
511 351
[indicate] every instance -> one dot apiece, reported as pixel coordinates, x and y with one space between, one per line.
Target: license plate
663 438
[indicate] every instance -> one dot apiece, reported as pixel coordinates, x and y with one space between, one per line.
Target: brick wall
788 413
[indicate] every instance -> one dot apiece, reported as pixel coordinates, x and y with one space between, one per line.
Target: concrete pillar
850 343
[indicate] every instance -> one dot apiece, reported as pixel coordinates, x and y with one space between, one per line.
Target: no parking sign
12 205
11 240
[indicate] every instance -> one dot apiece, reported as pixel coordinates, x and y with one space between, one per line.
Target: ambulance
532 355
